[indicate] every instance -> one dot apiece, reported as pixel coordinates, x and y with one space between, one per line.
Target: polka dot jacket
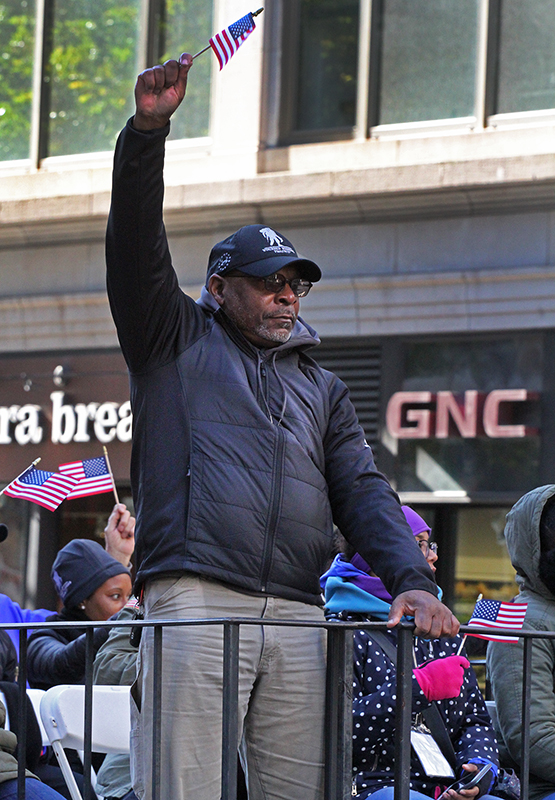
465 717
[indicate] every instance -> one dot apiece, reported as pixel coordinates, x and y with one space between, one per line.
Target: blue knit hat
80 568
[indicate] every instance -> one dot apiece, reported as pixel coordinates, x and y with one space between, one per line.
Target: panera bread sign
441 415
82 422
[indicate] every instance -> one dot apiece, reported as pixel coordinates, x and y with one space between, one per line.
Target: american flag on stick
226 43
91 475
46 489
496 614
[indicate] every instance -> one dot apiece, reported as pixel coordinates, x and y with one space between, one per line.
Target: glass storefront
470 462
482 563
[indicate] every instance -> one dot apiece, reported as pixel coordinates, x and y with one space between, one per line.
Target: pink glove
442 678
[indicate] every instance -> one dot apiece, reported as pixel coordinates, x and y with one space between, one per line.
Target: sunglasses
274 284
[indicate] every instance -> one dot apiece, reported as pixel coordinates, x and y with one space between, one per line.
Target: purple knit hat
417 524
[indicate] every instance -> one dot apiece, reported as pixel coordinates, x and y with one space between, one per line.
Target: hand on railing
431 617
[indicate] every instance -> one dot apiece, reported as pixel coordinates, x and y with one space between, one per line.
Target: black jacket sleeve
154 318
365 508
52 660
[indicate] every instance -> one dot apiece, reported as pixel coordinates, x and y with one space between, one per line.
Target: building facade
405 145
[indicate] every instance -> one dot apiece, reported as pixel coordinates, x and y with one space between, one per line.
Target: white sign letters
70 423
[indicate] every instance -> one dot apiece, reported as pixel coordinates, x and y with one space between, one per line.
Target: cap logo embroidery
61 587
275 242
271 236
223 262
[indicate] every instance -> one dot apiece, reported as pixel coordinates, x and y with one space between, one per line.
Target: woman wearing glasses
456 745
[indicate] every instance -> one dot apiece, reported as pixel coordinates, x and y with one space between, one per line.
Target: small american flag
495 614
226 43
47 489
92 474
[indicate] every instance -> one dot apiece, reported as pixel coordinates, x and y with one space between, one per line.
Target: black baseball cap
259 251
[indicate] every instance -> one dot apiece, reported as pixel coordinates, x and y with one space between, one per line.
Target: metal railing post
22 712
230 711
526 698
403 713
87 733
339 714
157 713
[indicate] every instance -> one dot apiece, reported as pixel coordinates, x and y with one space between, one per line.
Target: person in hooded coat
352 591
530 537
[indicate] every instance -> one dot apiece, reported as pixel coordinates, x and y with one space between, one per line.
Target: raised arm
151 313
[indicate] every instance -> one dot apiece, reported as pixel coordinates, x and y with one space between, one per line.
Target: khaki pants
281 695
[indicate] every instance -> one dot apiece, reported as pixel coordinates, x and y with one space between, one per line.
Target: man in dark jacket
245 452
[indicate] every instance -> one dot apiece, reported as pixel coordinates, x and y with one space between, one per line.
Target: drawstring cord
280 383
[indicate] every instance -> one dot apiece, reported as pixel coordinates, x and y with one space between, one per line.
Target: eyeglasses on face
427 547
275 283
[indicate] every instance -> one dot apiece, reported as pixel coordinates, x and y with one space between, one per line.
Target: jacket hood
522 534
344 595
303 335
351 590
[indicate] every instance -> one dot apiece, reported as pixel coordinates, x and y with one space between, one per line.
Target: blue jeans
34 790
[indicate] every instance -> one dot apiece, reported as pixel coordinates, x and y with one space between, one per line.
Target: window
187 25
526 56
327 64
17 38
91 73
428 60
90 52
351 67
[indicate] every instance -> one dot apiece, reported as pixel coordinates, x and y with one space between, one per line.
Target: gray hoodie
504 660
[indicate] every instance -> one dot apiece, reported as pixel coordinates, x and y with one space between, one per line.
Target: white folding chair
62 710
35 696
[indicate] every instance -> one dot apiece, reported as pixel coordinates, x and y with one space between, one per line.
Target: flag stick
200 52
111 474
466 634
34 464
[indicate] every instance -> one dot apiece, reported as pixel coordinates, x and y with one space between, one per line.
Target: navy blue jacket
242 457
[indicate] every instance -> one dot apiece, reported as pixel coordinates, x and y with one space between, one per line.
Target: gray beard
273 335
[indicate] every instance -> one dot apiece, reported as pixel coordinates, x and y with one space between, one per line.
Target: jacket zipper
275 505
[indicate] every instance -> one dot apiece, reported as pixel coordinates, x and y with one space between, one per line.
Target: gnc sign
448 414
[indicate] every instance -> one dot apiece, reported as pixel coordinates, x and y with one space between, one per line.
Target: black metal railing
338 712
